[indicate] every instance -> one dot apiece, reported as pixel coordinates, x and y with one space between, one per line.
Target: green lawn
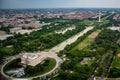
86 42
103 19
116 62
83 44
88 22
51 65
62 21
44 68
88 66
118 50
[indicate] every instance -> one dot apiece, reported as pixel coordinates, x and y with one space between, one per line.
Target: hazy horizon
26 4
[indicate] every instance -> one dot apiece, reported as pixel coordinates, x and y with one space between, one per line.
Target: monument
99 16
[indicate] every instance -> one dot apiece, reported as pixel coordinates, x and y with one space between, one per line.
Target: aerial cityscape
59 40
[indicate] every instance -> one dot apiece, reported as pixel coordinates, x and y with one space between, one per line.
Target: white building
99 17
32 59
114 28
13 30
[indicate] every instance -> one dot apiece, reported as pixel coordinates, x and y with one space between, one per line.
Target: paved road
9 59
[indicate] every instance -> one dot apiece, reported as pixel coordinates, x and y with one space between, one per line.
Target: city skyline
15 4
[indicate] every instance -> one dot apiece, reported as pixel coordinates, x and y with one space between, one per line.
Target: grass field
88 22
103 19
45 68
87 41
114 72
62 21
116 62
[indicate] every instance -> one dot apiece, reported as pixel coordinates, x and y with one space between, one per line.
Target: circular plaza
31 65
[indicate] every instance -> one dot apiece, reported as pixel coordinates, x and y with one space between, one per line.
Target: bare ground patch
94 34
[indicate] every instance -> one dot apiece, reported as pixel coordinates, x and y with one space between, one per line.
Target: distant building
116 17
114 28
32 59
2 32
13 30
63 31
4 36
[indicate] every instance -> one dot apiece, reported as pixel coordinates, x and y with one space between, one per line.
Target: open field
114 73
116 62
94 34
87 41
103 19
88 22
61 21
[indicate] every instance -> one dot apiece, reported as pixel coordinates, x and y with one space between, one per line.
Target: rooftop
30 56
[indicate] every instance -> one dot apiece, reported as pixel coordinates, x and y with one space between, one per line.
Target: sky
15 4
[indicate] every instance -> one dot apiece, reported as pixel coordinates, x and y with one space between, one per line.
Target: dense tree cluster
42 39
105 41
114 73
